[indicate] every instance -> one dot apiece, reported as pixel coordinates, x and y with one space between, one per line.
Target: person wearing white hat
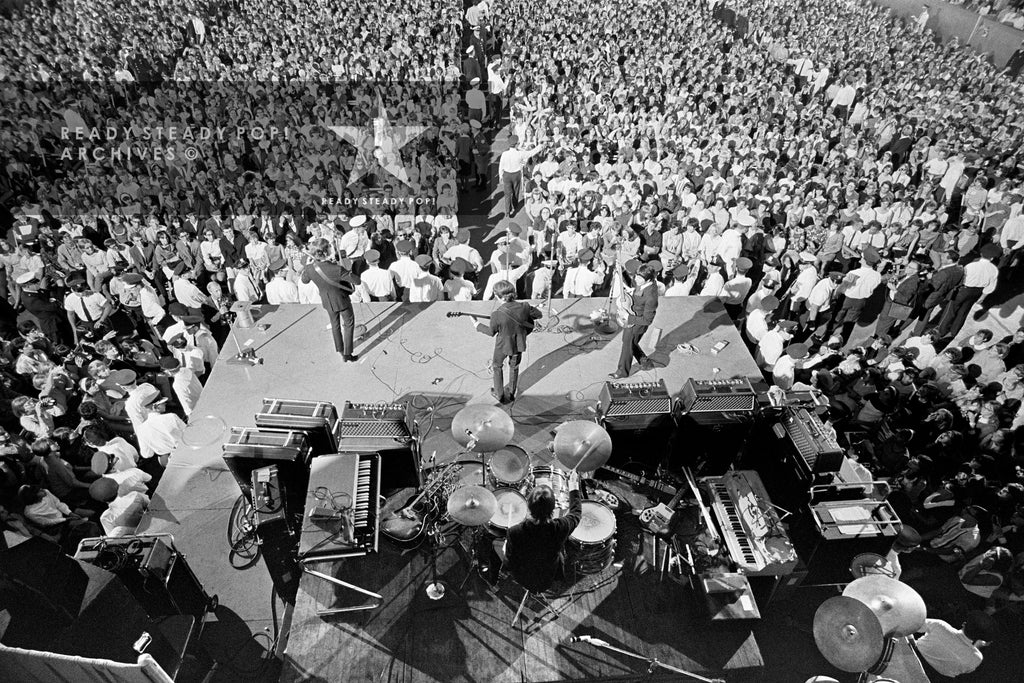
804 284
476 100
355 243
160 433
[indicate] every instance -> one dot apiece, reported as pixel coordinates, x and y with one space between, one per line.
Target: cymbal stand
436 587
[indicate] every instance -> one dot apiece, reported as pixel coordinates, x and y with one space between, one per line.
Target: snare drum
468 473
511 511
591 545
509 467
555 478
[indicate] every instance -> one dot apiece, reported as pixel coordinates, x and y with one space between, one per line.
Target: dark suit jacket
942 285
645 305
907 291
510 324
335 288
535 550
233 250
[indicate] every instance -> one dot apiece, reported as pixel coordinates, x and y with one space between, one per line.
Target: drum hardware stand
436 588
653 664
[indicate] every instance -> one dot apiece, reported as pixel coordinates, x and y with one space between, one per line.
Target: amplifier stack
718 401
634 405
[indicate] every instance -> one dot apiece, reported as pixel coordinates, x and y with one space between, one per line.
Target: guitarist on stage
510 324
641 316
335 283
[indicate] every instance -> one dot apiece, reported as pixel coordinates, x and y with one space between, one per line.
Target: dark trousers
498 363
849 312
955 315
511 184
631 337
343 325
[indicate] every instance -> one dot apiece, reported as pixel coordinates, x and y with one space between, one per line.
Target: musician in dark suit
335 283
940 288
900 300
641 315
510 324
535 548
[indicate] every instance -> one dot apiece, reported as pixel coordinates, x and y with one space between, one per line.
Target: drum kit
490 494
856 631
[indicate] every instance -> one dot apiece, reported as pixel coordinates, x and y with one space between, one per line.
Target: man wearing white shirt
280 290
476 101
458 288
355 242
980 278
770 348
580 280
90 309
404 270
186 292
510 169
465 252
377 283
954 652
731 244
160 433
805 281
425 286
111 455
184 383
756 324
515 271
857 288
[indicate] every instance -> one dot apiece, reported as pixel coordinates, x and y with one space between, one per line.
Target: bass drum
591 545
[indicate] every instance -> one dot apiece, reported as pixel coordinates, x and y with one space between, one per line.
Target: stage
415 353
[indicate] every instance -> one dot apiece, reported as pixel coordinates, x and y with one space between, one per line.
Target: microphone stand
653 664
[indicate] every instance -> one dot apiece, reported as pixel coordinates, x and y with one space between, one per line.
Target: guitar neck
478 316
641 480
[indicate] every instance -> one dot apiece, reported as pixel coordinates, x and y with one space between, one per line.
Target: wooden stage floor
414 352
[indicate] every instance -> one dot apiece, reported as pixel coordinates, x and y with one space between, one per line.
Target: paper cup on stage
204 431
243 313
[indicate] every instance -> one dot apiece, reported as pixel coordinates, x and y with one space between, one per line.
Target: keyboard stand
344 584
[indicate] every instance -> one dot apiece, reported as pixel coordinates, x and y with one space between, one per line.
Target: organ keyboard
749 524
815 444
342 487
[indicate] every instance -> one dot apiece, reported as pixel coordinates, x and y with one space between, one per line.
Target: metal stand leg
522 603
350 586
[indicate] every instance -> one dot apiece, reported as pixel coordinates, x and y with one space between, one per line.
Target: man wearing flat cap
467 253
405 270
425 286
580 280
335 285
355 243
458 288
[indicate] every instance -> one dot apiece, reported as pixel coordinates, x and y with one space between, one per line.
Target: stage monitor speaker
718 401
634 405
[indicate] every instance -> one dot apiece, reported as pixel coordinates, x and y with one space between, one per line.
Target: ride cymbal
848 634
582 445
899 608
472 505
482 428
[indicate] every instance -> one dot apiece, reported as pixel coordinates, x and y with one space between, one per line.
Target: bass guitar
641 480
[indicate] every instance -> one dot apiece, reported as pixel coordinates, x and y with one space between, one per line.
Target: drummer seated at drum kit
534 549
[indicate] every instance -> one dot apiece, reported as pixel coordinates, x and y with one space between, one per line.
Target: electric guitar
641 480
478 316
407 526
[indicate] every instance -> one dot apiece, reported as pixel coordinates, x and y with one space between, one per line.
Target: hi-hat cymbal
900 609
848 634
472 505
482 428
582 445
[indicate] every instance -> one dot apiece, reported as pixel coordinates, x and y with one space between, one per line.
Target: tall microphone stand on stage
652 663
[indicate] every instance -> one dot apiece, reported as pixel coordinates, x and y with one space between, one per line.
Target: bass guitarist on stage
335 283
642 308
510 324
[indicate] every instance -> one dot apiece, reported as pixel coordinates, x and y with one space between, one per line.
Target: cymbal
472 505
482 428
900 609
582 445
848 634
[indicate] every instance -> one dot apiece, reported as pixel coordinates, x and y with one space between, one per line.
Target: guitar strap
345 287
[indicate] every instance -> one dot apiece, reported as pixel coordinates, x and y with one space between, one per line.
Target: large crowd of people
801 161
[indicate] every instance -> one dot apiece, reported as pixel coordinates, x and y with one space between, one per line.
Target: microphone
575 639
472 440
